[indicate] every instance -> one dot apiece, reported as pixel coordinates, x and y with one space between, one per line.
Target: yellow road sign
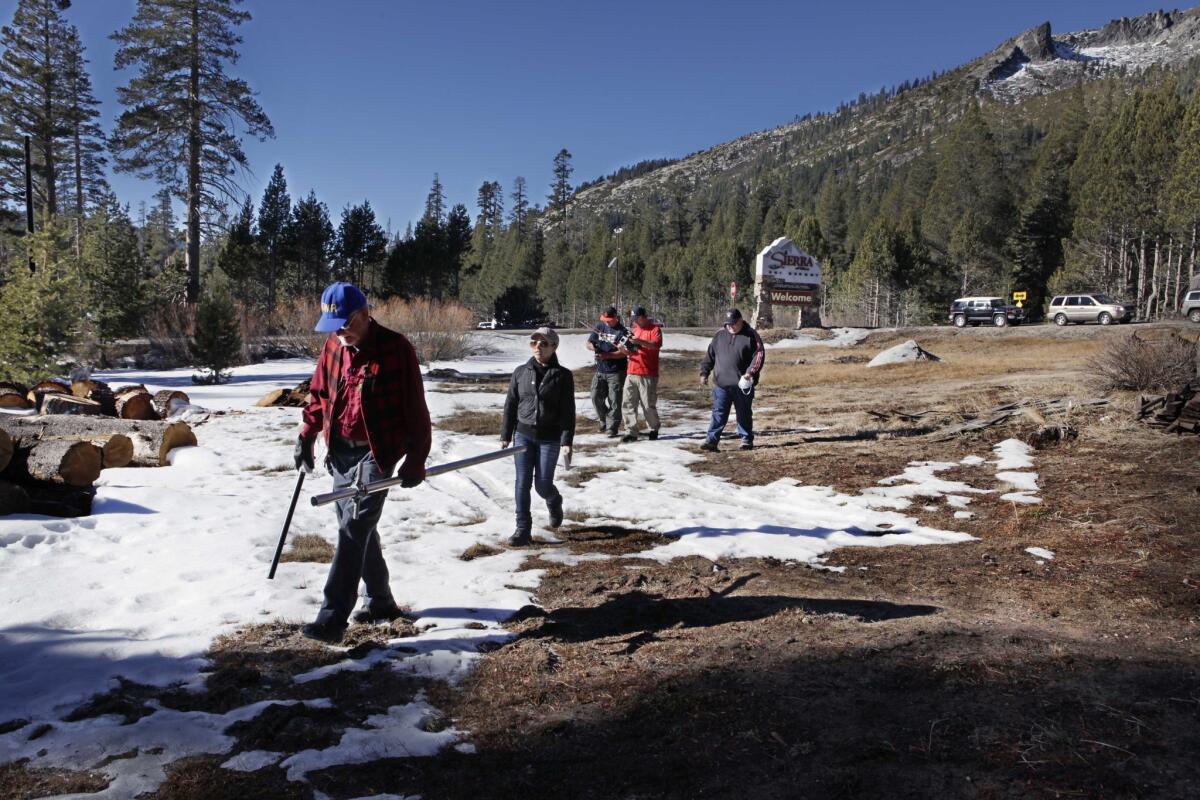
1019 295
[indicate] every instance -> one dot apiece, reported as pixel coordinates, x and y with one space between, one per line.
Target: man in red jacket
368 404
641 387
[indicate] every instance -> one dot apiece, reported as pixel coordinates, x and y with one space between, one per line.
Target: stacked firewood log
297 397
50 460
1178 411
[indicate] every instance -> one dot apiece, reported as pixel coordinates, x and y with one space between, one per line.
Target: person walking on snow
735 359
641 385
540 412
368 404
609 379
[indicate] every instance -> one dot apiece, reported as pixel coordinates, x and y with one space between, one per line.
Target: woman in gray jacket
540 412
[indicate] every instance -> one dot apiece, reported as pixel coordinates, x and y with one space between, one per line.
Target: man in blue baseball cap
368 404
339 302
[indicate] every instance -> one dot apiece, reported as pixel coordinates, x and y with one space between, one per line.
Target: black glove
304 453
411 475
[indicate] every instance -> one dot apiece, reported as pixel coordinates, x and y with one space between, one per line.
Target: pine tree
360 246
39 311
458 245
85 181
310 239
560 189
274 215
242 257
177 106
520 207
217 342
113 273
435 202
33 99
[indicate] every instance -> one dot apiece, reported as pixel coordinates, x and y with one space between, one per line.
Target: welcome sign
782 263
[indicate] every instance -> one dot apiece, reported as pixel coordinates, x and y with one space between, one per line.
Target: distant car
488 325
1088 307
984 311
1191 305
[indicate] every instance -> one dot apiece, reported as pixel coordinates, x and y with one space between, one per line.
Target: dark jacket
540 402
730 356
604 338
393 400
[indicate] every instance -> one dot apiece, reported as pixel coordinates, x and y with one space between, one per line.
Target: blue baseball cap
338 302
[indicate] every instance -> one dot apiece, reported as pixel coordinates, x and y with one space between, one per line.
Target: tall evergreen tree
360 247
520 207
560 188
435 202
179 104
274 215
242 257
85 179
113 272
33 98
310 239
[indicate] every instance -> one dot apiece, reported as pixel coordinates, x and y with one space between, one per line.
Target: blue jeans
722 399
359 555
535 468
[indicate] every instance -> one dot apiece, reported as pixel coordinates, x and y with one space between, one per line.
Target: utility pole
29 196
617 281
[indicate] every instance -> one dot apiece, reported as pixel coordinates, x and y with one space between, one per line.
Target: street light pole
617 277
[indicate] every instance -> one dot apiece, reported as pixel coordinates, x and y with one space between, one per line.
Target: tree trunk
167 400
151 440
59 461
6 449
135 405
69 404
12 398
193 156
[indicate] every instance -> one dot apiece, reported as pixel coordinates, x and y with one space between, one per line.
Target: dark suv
986 311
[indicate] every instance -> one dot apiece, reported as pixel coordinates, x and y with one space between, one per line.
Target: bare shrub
439 330
1138 363
169 329
293 325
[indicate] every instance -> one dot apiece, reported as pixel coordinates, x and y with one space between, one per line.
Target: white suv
1191 305
1090 307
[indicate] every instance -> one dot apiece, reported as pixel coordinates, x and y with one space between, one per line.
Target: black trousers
359 556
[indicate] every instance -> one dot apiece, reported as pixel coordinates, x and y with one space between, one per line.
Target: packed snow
174 557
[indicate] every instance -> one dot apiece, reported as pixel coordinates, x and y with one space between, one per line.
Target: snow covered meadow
174 557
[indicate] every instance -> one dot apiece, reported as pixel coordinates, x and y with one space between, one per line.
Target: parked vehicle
488 325
1191 305
984 311
1088 307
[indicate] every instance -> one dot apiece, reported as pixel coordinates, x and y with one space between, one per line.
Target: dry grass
476 423
311 548
19 781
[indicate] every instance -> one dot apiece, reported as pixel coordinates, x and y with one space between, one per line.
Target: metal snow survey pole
362 490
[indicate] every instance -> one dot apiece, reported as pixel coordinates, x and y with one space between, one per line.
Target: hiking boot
556 511
630 437
614 433
386 614
747 446
709 447
602 428
327 632
520 539
652 435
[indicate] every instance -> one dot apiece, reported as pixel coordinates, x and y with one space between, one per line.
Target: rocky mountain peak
1034 46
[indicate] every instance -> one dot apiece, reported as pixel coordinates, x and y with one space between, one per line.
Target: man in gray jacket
735 359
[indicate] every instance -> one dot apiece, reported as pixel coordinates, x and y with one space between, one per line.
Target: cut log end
117 451
136 405
64 462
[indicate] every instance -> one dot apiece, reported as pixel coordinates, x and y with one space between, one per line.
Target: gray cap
549 334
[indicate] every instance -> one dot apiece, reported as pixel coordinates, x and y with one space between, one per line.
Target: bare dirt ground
957 671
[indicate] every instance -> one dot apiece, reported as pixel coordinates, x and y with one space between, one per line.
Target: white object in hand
745 383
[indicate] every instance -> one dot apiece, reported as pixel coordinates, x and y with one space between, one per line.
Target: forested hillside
1051 163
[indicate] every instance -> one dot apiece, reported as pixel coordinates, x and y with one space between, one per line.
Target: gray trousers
359 556
606 398
640 390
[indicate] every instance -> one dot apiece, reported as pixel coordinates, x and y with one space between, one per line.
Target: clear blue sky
370 97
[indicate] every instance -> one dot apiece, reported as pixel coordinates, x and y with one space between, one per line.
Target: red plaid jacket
393 400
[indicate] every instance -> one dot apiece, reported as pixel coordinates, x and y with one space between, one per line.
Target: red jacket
393 400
